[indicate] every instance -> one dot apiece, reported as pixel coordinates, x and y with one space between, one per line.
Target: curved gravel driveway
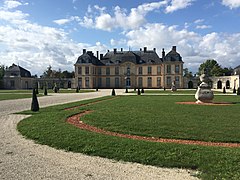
23 159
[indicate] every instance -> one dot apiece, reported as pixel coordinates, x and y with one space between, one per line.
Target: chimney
97 54
108 50
121 49
145 49
163 53
174 48
154 49
115 50
101 56
84 51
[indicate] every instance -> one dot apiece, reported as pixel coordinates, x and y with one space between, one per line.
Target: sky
37 33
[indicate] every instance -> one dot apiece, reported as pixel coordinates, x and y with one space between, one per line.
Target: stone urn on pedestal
204 93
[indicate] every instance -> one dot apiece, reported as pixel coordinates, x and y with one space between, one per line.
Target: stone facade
129 69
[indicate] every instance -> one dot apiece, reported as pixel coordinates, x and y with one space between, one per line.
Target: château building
129 69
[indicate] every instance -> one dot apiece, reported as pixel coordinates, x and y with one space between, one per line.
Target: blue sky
39 33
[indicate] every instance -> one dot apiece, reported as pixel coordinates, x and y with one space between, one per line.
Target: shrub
77 89
35 105
234 90
238 91
142 91
113 92
224 90
126 91
45 91
138 92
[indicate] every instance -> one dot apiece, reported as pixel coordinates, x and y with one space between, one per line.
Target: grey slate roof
17 71
136 57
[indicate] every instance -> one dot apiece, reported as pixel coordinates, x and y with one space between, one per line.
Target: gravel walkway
23 159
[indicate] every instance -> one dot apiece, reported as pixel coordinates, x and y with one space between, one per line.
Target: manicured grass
20 94
148 116
16 96
179 91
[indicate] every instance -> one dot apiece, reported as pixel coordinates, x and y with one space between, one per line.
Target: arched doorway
190 85
227 84
219 84
69 84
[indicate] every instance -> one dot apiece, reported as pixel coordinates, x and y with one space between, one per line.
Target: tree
212 67
48 73
186 73
2 71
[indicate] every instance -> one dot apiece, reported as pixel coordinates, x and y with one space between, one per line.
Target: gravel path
23 159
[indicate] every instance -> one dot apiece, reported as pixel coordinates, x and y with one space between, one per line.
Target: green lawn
20 94
156 116
179 91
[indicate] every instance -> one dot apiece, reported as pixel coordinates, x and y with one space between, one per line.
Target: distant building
129 69
16 77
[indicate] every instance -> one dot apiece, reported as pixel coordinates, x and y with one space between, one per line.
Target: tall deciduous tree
2 71
212 67
187 73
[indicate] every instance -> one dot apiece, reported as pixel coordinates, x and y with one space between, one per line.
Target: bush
238 91
126 91
113 92
138 92
224 90
142 91
35 105
45 91
234 90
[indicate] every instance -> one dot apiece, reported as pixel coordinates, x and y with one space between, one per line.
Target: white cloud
203 27
193 47
120 18
119 42
62 21
10 4
198 21
178 4
231 3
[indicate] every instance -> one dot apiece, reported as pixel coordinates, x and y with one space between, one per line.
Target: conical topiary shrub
45 91
142 91
35 105
96 89
113 92
36 90
126 91
77 90
238 91
224 90
234 90
138 92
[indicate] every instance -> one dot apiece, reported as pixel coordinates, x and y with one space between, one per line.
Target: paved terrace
23 159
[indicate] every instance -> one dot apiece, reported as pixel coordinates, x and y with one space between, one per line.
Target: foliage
224 90
213 68
2 71
138 92
50 73
238 91
186 73
49 127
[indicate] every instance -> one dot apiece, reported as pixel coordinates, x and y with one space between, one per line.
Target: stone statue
173 88
204 93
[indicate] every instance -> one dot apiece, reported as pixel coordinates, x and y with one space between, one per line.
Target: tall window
149 70
99 71
79 70
116 82
99 82
168 69
116 70
158 81
177 69
159 70
149 82
128 71
107 82
80 82
169 81
128 82
86 70
139 70
87 82
140 82
12 84
108 71
177 81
